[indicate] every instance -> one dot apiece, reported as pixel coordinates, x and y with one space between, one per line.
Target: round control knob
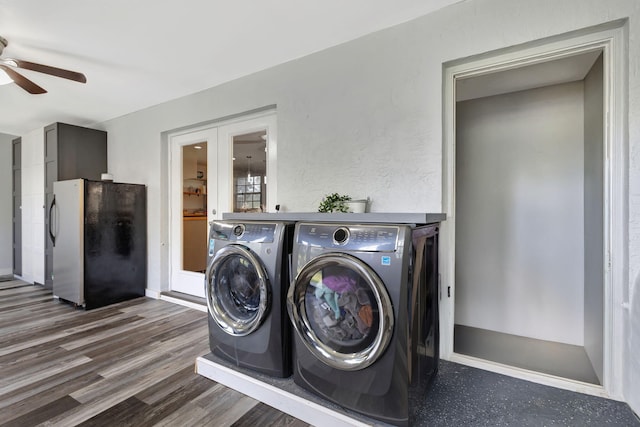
341 235
238 230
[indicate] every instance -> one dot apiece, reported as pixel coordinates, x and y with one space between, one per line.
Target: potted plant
334 203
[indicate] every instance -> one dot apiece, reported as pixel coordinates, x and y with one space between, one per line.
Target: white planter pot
357 206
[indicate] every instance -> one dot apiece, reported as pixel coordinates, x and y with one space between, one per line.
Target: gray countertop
364 218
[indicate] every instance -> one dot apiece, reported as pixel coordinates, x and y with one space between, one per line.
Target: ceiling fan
8 64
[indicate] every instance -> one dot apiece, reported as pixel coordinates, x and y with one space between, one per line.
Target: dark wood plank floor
128 364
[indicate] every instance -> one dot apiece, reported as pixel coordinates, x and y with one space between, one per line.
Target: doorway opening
215 169
529 203
534 192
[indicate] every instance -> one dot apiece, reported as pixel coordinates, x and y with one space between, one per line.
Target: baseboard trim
535 377
152 294
186 301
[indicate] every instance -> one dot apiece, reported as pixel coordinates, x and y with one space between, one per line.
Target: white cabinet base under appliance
293 402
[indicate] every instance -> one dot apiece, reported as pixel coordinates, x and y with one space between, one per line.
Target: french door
213 170
196 199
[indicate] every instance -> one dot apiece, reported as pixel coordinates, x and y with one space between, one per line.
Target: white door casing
267 122
189 282
611 41
219 139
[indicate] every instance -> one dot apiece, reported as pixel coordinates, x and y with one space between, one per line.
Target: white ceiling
139 53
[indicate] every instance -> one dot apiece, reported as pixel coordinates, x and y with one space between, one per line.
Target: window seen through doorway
250 172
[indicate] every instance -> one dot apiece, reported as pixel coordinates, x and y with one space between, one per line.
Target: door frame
612 40
220 132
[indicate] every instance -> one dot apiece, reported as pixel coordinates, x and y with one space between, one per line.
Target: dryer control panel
369 238
257 232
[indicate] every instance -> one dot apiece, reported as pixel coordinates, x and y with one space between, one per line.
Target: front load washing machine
365 312
245 284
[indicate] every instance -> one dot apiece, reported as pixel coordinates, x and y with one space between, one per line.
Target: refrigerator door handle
53 238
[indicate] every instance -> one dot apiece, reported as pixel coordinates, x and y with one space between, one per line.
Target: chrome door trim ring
219 315
297 313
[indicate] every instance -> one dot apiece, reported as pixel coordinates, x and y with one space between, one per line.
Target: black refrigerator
99 235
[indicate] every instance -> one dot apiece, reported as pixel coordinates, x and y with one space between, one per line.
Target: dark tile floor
466 396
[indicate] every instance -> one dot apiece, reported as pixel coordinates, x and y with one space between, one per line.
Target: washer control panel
257 232
370 238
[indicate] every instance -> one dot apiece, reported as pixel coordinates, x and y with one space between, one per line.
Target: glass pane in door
237 289
194 207
250 172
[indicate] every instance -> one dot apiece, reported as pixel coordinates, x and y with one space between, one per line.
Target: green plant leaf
334 202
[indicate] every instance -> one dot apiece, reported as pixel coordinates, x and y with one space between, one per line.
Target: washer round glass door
238 291
341 310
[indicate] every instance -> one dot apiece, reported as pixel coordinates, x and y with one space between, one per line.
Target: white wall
593 217
6 208
632 377
365 118
519 213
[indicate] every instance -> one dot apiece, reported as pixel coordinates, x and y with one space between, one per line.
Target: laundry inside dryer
341 309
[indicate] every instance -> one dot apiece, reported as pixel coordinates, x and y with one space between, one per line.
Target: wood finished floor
128 364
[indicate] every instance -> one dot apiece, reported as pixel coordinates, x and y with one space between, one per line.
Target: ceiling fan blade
22 81
46 69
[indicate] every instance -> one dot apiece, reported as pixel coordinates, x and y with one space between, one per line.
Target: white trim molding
292 404
152 294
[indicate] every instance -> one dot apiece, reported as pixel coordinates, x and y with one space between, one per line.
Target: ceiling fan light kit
5 79
8 64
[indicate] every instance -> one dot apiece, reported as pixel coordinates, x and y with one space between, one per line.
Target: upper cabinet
70 152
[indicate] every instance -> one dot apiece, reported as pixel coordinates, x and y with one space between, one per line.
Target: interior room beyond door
194 207
529 259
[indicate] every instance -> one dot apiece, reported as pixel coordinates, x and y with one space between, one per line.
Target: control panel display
244 232
370 238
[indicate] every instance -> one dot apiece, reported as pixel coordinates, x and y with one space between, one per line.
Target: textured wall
632 372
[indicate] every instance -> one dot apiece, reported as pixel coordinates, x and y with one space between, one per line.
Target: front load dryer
364 308
245 285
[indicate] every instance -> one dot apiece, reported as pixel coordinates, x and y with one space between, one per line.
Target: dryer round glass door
341 310
237 290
